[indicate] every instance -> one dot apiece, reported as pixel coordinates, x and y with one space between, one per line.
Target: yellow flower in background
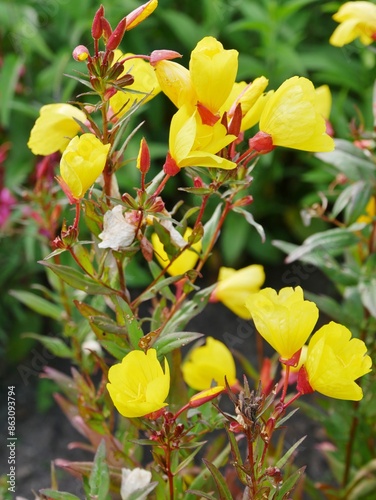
144 87
175 82
370 212
334 362
186 260
82 162
292 118
193 144
285 320
324 100
234 287
213 71
207 363
54 128
138 385
357 20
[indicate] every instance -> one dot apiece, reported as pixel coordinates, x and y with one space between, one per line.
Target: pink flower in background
7 201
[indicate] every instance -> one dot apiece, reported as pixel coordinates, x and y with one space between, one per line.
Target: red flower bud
106 29
143 158
117 35
197 182
261 142
96 27
303 385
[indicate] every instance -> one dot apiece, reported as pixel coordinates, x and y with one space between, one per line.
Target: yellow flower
144 87
208 363
370 212
213 71
175 82
234 287
138 386
186 260
285 320
334 361
54 128
193 144
324 100
208 83
357 20
82 162
292 118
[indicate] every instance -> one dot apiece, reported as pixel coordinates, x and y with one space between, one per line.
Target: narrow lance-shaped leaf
38 304
99 480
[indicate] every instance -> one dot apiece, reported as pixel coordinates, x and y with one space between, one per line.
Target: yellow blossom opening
285 320
335 361
357 20
82 162
54 128
138 385
186 260
234 286
210 362
293 119
213 71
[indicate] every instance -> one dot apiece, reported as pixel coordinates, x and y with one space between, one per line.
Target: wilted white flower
117 232
176 237
133 480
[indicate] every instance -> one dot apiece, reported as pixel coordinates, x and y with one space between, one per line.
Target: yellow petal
213 71
234 287
175 81
208 363
285 320
54 128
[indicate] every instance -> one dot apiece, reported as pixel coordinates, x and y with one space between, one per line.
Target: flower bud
163 55
143 158
261 142
141 13
197 182
116 36
106 29
110 92
205 396
96 27
80 53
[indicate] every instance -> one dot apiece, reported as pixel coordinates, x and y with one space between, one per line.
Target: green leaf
174 340
288 484
367 291
127 318
353 200
108 325
38 304
99 480
350 161
57 495
55 345
189 458
77 280
210 228
282 461
9 76
188 311
330 242
223 491
250 219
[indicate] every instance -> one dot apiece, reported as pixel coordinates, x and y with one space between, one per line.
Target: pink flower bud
80 53
170 166
197 182
261 142
163 55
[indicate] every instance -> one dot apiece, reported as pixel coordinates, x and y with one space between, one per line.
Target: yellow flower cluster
357 20
291 116
334 360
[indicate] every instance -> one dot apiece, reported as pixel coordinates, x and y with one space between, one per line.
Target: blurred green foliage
277 39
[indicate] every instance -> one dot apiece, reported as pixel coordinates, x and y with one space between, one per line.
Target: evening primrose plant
152 410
